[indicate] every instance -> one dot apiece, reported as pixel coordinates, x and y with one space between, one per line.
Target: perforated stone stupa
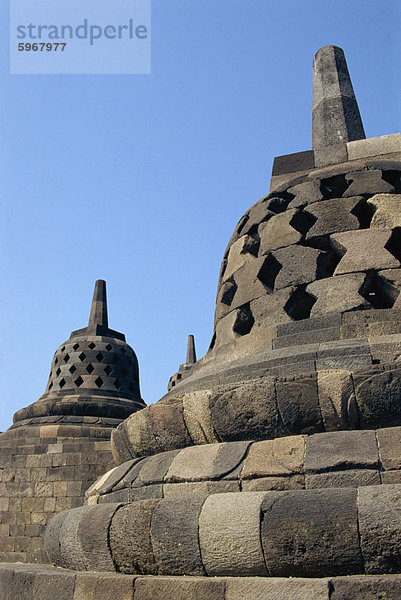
272 467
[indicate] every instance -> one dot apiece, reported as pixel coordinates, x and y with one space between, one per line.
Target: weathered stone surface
387 211
299 541
336 392
278 232
335 113
337 294
249 286
234 518
154 468
103 586
70 545
305 193
389 477
131 475
384 144
378 398
246 412
298 404
242 252
147 492
256 588
332 216
229 457
130 540
197 417
268 310
386 587
352 478
140 436
119 445
52 537
389 442
291 163
258 213
331 155
354 244
341 450
379 515
282 456
390 283
367 182
93 535
194 463
114 476
48 586
179 588
168 425
278 483
299 265
174 534
188 488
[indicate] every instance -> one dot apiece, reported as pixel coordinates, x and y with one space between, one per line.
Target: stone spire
191 352
335 113
98 314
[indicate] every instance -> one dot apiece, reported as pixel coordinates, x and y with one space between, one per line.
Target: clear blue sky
140 179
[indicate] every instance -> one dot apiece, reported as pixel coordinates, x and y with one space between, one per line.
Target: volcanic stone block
354 245
52 537
282 456
390 283
299 265
268 310
140 436
119 445
147 492
235 520
48 586
168 425
276 589
390 477
291 163
298 404
384 144
103 586
241 252
352 478
114 476
229 457
305 193
70 544
331 155
198 418
225 332
278 232
379 514
389 442
367 182
257 214
188 488
285 482
179 588
194 463
336 392
247 412
130 540
249 286
131 475
93 533
311 533
387 211
174 534
333 215
337 294
154 468
369 588
378 398
340 450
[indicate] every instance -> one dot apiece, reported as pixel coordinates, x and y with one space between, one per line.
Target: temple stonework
271 469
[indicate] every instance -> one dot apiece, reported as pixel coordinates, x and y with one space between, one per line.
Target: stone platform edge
43 582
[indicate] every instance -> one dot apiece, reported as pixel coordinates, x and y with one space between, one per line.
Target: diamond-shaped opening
92 345
269 271
244 321
79 381
123 350
99 382
72 369
62 349
394 243
90 368
62 382
108 347
58 371
99 356
378 292
299 305
50 385
82 356
117 384
364 213
302 221
212 342
66 358
278 202
75 347
55 361
333 187
108 370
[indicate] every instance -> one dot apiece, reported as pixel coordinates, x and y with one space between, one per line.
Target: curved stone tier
265 408
297 533
337 459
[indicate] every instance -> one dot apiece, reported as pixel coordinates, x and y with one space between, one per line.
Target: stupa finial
335 113
191 352
98 315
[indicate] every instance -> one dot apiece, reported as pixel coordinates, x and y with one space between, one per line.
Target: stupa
272 467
